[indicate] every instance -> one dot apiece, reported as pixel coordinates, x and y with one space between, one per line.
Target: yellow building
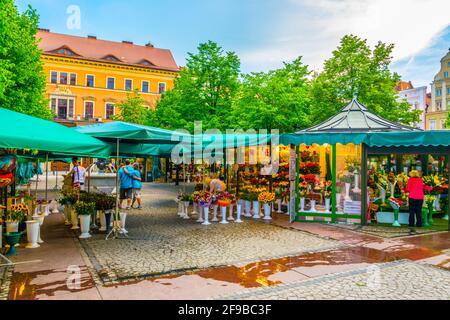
440 97
88 77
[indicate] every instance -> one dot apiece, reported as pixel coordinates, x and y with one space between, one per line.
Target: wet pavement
43 273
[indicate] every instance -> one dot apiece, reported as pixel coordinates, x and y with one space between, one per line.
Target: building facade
417 98
440 97
88 77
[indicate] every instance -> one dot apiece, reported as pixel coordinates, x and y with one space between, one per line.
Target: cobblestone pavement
402 280
5 278
160 242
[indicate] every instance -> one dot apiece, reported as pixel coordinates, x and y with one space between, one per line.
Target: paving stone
160 242
397 281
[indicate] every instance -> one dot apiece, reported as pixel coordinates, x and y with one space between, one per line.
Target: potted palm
85 211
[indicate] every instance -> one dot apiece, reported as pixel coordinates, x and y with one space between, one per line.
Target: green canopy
130 133
20 131
372 139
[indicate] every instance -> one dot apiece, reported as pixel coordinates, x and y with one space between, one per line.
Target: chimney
92 37
127 42
149 45
44 30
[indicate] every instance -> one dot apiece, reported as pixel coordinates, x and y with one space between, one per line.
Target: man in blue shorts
126 183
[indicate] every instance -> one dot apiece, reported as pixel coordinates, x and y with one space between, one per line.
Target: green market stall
333 164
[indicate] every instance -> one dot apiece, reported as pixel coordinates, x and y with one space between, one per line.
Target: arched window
111 58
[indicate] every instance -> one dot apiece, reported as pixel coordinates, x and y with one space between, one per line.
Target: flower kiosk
353 168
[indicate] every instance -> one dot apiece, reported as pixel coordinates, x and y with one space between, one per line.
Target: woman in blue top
137 185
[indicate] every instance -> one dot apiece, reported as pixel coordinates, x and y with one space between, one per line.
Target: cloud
313 28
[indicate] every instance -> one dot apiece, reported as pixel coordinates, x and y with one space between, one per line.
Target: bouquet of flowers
203 198
352 164
17 213
395 203
224 199
266 197
184 197
327 188
84 208
434 183
303 187
309 178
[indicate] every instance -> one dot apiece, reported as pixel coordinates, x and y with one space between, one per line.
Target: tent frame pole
46 177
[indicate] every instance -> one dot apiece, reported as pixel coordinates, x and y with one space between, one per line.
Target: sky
264 33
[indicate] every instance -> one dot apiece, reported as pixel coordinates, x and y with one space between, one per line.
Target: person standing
415 188
126 183
78 175
137 186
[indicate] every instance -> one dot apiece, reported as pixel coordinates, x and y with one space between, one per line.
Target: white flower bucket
256 209
223 211
230 216
186 210
248 209
238 213
200 214
67 214
215 208
85 222
74 217
206 221
279 206
313 206
347 191
123 220
327 205
40 219
302 204
267 212
32 234
103 226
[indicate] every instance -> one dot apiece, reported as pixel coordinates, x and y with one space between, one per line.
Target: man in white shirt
78 173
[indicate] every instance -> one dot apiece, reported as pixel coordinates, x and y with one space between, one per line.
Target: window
111 58
54 77
161 87
73 79
446 74
111 83
145 86
443 121
88 110
62 107
448 90
109 113
90 81
53 105
128 85
63 78
438 92
432 124
66 52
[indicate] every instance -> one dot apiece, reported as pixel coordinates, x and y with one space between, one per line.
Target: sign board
292 165
60 166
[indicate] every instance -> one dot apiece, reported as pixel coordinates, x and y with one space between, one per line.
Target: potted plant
68 200
267 198
85 211
105 204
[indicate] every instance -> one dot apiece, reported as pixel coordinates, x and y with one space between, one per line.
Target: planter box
388 217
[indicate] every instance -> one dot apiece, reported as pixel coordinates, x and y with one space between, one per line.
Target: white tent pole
46 178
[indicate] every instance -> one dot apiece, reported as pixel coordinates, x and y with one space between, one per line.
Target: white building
417 98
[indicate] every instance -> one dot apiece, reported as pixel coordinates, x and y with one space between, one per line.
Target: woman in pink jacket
415 188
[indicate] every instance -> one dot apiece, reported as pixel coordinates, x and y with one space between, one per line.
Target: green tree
133 109
278 99
22 80
204 90
355 70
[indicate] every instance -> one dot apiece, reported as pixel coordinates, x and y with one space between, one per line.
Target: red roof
102 50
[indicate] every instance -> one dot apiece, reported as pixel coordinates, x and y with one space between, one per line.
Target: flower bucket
85 223
230 216
248 208
215 208
32 234
12 226
267 212
74 218
123 220
313 206
223 211
302 204
40 219
327 205
238 213
256 209
12 239
206 220
186 208
102 217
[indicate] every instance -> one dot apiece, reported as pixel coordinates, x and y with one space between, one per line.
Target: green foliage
84 208
355 70
204 91
276 99
22 80
133 109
